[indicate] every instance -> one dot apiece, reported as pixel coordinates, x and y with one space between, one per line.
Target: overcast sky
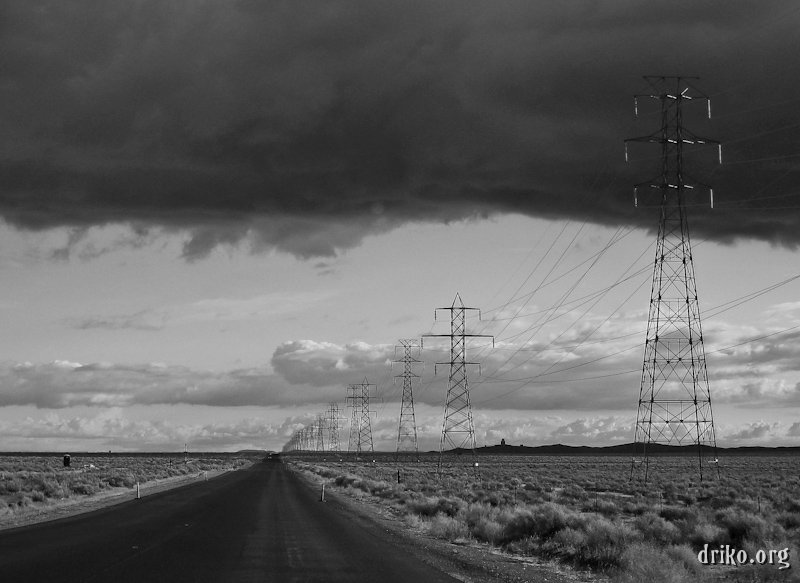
217 215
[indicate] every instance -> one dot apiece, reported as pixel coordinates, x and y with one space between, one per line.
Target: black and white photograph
400 291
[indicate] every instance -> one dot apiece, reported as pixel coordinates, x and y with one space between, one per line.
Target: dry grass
31 482
585 512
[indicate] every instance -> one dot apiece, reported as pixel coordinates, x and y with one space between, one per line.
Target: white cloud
112 429
758 431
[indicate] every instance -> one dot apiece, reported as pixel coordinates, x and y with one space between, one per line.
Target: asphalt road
261 524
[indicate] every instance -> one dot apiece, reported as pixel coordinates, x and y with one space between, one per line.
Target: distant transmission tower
458 431
407 431
674 398
360 427
319 427
333 419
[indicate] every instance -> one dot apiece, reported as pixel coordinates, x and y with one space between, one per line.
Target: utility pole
407 430
458 431
360 427
674 397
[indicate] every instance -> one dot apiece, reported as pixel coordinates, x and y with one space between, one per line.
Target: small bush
708 533
9 486
482 523
433 506
487 530
656 529
605 543
567 543
642 562
789 520
19 500
743 526
526 546
635 508
542 521
447 527
674 513
381 488
83 488
121 481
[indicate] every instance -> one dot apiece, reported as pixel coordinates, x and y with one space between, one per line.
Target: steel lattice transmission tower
458 431
674 397
407 430
319 430
360 427
333 419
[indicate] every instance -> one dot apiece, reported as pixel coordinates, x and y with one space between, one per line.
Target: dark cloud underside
305 126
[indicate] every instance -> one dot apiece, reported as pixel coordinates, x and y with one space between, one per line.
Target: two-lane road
261 525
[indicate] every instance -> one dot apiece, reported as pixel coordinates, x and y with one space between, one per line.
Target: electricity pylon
458 431
407 430
319 428
360 427
333 420
674 396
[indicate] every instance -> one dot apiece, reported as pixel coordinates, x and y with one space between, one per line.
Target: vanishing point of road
262 525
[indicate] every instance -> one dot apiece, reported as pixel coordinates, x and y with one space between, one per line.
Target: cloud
212 309
587 430
111 428
306 129
58 385
591 367
759 430
306 362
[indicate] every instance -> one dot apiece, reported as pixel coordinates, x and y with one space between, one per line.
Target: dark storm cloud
305 126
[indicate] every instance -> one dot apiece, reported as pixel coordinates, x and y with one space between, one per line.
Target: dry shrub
414 521
83 488
426 506
9 486
635 508
655 529
607 508
675 513
685 555
482 521
743 526
644 562
345 481
789 520
447 527
605 543
708 533
542 521
566 544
